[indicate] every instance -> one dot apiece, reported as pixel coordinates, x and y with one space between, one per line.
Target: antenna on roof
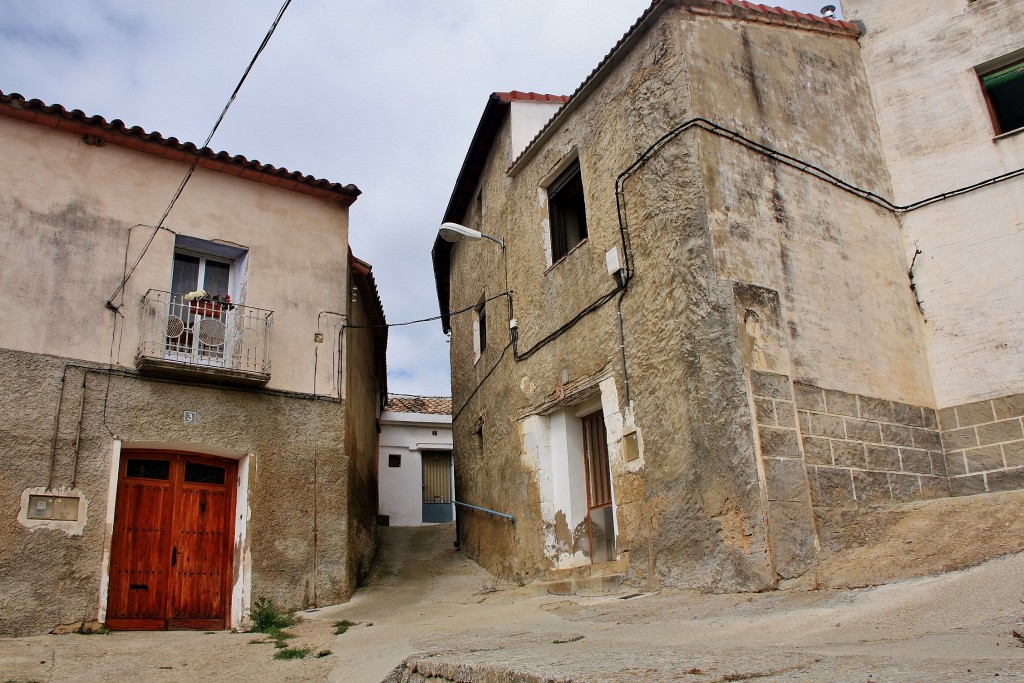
828 11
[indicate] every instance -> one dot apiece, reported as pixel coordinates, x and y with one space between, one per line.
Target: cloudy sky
385 95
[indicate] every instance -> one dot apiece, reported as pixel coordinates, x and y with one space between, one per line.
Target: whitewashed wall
400 488
921 58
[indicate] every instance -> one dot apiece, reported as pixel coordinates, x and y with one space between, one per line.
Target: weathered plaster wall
71 217
690 512
720 498
847 312
920 57
298 473
71 212
363 398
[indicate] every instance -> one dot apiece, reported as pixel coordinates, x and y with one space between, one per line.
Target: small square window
1004 90
395 460
567 212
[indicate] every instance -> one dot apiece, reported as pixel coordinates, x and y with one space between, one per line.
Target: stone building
416 469
169 457
691 349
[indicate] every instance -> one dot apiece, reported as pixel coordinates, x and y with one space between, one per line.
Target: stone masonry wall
860 449
789 503
868 450
984 444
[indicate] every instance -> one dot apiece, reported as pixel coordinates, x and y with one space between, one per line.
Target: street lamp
453 232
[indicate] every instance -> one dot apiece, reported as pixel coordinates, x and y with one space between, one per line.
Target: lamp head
453 232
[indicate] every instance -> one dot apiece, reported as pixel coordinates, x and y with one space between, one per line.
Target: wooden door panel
138 582
199 545
172 544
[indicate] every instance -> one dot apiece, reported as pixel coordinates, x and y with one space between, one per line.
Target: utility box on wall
57 508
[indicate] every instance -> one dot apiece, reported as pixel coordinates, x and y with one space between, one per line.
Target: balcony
205 340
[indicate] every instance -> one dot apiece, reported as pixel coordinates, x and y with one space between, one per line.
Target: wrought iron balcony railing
205 339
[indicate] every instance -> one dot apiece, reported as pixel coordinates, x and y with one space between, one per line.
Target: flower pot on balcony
207 309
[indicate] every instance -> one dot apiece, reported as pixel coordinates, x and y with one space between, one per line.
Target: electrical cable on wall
621 210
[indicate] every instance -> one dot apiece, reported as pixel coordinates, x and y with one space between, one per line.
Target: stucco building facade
170 459
696 348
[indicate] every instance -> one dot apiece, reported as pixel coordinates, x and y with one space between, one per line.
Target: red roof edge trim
116 132
768 9
517 96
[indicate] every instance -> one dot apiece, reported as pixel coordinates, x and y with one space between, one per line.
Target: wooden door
171 550
600 520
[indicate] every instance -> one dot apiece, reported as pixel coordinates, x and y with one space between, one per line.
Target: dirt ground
428 603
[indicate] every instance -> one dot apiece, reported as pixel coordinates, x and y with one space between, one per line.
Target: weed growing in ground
265 615
323 653
342 626
269 619
492 586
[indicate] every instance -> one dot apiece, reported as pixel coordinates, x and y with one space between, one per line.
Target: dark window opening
1005 91
395 460
481 320
480 210
197 473
567 211
149 469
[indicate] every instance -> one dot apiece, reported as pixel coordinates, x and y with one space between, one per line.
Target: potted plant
208 305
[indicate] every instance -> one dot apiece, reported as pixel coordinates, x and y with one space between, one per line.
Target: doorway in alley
437 486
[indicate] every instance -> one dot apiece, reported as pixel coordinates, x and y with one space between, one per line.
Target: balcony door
171 550
204 337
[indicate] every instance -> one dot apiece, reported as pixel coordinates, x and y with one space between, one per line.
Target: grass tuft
292 653
265 615
342 626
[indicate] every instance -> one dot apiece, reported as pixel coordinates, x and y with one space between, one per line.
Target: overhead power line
195 162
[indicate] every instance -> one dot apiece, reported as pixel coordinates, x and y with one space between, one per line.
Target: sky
384 95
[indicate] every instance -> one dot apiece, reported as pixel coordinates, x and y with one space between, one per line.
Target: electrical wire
195 161
472 394
620 205
519 357
433 319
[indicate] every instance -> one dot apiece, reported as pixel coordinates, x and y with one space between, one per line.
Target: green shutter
996 78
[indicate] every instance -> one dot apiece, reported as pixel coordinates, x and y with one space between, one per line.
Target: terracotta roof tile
516 95
767 9
116 132
424 405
